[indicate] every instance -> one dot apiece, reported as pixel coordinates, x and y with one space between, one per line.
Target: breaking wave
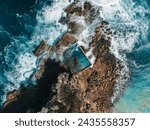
128 19
18 60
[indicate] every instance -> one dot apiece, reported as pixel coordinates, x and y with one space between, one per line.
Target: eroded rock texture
59 90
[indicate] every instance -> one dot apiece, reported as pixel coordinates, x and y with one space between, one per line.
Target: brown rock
87 91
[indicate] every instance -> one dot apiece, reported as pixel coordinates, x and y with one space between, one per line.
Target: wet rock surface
33 97
59 90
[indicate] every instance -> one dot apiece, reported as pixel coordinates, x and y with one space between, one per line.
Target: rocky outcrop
90 90
60 90
33 97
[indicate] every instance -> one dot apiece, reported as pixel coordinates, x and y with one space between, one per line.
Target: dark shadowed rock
59 90
33 98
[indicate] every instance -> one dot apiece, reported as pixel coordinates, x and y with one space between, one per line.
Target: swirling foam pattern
130 19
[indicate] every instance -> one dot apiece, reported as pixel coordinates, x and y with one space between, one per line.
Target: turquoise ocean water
23 25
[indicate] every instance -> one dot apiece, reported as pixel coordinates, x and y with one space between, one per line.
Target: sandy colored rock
87 91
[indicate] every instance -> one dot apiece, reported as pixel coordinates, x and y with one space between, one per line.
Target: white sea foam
91 56
49 18
23 69
123 43
18 55
79 19
121 82
27 64
81 43
85 37
121 15
125 17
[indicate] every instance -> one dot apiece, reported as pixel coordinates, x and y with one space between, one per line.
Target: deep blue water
22 27
11 26
17 25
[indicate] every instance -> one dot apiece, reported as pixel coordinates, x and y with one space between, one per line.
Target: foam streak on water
48 19
128 19
20 62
